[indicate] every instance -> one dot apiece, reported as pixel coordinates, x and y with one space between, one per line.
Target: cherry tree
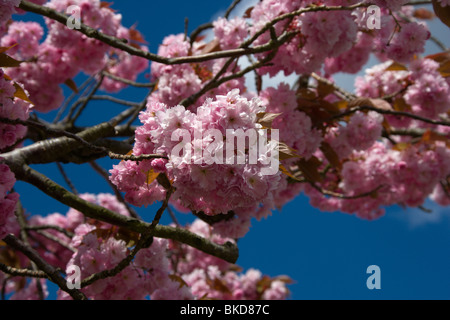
358 152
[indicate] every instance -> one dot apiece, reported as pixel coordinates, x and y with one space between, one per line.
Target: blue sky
327 254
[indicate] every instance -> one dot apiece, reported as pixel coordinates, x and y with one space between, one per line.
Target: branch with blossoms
384 144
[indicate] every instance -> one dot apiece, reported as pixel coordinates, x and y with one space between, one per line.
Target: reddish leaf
164 181
443 13
440 57
263 284
395 66
284 279
374 103
310 169
331 155
21 94
306 94
212 46
324 89
7 61
151 176
443 59
135 35
129 237
386 126
329 107
266 119
4 49
107 5
200 38
424 14
178 279
431 136
218 285
444 69
286 152
202 72
289 174
402 146
72 85
341 105
248 13
401 105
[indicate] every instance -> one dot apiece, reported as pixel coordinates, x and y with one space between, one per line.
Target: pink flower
230 33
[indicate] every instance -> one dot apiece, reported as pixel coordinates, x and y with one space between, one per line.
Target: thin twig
228 251
120 44
55 239
21 219
129 82
71 97
66 178
144 239
137 158
83 106
342 196
22 272
391 112
51 272
231 8
52 227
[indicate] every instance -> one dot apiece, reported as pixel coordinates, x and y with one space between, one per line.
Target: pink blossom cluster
320 35
296 130
64 53
360 133
202 184
230 33
7 9
8 200
406 43
124 65
427 91
352 60
11 108
340 39
178 82
184 274
378 82
405 178
147 275
429 95
212 278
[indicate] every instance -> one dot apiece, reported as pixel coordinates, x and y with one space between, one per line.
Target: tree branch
228 252
391 112
23 272
51 272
